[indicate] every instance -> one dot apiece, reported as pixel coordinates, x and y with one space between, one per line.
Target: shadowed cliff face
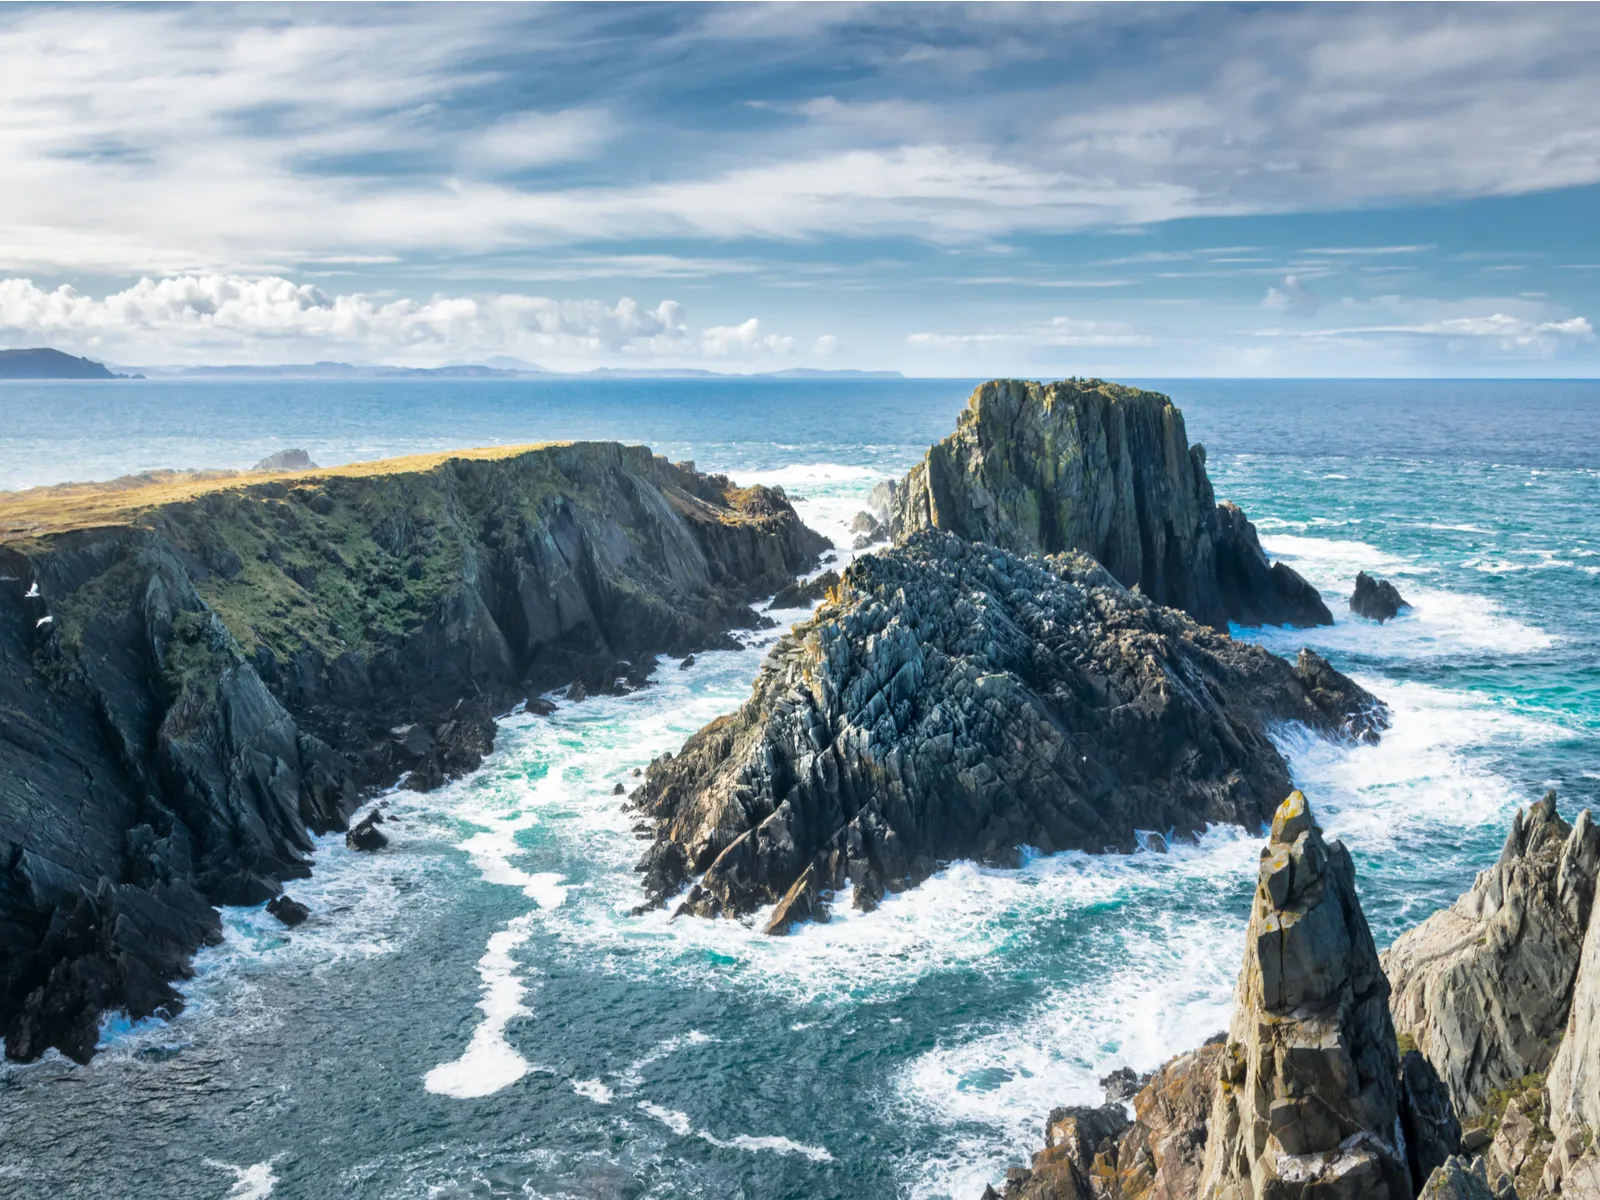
952 700
1106 470
183 696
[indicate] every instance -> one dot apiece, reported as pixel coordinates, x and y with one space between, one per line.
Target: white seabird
45 620
33 592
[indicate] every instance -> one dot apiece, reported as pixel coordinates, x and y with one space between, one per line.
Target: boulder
1376 599
1484 987
366 835
1106 470
288 910
957 701
286 460
1308 1103
806 593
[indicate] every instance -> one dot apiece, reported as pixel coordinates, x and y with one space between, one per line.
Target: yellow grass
67 506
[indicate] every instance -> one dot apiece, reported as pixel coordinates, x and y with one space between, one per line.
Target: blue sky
950 190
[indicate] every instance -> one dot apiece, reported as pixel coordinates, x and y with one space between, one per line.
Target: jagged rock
1162 1155
286 460
220 677
1106 470
1484 986
1573 1082
806 593
1377 599
959 701
1427 1118
880 501
1458 1179
366 835
1307 1106
688 661
288 910
1522 1143
1123 1084
869 531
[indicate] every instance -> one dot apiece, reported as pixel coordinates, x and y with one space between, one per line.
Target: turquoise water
474 1012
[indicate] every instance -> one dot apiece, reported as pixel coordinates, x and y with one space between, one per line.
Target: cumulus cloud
1293 296
270 316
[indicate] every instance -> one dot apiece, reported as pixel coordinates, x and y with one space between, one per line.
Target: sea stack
953 700
1106 470
1376 599
1308 1102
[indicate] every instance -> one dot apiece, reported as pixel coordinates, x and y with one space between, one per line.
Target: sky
944 190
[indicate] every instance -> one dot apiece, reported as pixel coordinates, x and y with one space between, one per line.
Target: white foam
593 1089
489 1063
674 1120
777 1145
254 1182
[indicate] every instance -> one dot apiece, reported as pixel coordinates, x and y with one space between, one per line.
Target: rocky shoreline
1346 1075
190 688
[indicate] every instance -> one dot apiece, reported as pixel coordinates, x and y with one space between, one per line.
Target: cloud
1058 331
1509 334
259 141
1293 296
275 319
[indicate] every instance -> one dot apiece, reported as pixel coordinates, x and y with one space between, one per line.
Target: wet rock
869 531
1376 599
366 835
1485 986
1123 1084
1307 1106
959 701
619 790
688 661
806 593
288 910
1106 470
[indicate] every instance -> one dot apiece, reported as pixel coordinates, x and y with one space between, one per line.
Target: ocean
474 1013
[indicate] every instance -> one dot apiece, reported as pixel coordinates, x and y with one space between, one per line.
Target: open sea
473 1013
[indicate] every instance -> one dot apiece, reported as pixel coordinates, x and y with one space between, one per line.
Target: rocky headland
1343 1072
950 699
196 674
1106 470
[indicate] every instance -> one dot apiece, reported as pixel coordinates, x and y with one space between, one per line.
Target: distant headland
41 362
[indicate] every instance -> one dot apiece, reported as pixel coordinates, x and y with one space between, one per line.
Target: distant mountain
814 373
338 370
44 363
498 367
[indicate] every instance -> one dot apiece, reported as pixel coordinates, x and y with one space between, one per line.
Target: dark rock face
959 701
1106 470
1376 599
1427 1118
1308 1103
185 695
1485 986
366 835
288 910
806 593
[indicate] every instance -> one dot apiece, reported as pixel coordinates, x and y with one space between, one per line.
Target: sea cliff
194 673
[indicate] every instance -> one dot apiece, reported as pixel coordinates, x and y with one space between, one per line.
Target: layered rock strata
954 700
1107 470
1485 986
1573 1087
188 691
1308 1102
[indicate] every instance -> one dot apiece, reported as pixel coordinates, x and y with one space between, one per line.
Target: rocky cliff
954 700
1107 470
1484 986
188 689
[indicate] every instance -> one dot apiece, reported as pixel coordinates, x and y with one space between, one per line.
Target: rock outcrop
1485 986
1573 1083
1308 1103
1376 599
187 690
806 593
286 460
954 700
1459 1178
1106 470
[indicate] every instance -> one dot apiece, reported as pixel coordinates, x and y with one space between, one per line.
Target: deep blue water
473 1012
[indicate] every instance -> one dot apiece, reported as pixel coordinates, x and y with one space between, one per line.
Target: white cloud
1293 296
534 139
275 319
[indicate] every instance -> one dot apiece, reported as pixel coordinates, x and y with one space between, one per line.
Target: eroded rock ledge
955 700
1107 470
187 691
